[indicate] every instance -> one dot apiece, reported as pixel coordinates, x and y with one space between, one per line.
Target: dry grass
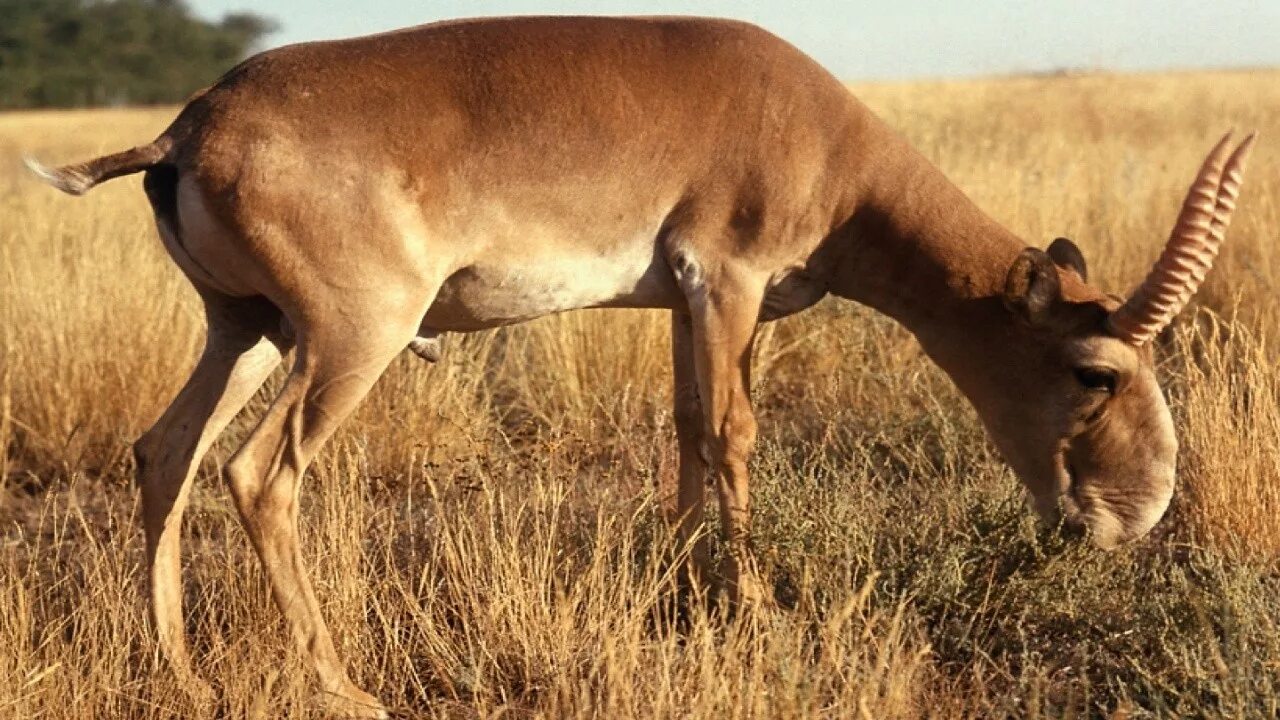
484 533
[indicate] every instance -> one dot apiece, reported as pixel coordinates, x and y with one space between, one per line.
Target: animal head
1075 406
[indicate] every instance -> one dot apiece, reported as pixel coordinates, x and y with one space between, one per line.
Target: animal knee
260 497
159 489
243 482
144 455
688 412
733 439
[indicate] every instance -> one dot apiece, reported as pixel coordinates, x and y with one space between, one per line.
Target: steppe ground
486 535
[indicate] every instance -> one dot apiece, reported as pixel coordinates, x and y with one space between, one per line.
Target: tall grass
485 532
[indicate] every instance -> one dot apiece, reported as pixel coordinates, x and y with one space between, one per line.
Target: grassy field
486 535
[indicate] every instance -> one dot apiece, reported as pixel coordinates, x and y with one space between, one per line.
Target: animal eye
1095 378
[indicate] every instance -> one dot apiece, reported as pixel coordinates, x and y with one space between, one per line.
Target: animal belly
493 293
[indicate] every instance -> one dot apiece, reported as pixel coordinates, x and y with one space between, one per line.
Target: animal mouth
1069 500
1085 514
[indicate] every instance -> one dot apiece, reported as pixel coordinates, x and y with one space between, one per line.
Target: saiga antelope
355 197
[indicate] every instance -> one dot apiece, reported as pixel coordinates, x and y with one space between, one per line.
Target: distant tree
76 53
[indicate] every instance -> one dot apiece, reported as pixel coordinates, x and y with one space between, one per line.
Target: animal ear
1067 256
1031 286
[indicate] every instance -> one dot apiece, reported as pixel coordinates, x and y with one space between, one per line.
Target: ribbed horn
1197 236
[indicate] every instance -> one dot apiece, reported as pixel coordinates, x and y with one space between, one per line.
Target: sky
878 39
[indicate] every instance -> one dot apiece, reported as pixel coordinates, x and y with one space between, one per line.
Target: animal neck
917 249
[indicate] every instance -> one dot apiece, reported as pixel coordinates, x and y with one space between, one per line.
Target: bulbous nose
1114 522
1109 521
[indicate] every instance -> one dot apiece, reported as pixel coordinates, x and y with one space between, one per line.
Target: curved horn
1192 247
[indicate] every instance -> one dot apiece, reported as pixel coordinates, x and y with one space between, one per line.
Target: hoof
742 582
198 691
354 703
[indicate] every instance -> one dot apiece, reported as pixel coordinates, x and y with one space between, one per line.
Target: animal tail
82 177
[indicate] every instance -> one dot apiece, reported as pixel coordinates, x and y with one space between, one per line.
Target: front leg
724 309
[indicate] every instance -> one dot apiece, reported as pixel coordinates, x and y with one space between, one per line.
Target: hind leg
237 358
688 421
337 364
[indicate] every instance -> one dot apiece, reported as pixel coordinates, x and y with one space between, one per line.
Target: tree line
81 53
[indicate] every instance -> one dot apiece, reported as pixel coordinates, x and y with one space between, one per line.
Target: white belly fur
495 291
